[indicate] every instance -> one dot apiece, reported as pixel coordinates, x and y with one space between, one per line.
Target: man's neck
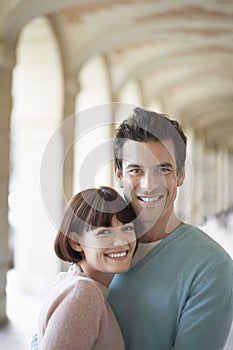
160 230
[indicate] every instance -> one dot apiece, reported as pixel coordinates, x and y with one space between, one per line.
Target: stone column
197 209
71 89
230 179
222 170
7 60
210 181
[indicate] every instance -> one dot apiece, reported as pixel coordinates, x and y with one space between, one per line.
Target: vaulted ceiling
180 52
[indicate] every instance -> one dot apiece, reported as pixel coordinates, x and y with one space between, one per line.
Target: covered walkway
99 58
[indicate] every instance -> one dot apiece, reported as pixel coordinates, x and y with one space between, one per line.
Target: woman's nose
119 240
122 238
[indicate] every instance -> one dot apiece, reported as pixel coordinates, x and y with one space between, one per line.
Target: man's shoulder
199 243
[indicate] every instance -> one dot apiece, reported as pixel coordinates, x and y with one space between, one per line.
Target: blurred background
95 60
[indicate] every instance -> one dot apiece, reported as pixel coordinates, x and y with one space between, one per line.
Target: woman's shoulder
81 285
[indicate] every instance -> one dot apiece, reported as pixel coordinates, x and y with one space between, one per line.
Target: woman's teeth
117 255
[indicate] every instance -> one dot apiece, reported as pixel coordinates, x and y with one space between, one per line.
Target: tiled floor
23 312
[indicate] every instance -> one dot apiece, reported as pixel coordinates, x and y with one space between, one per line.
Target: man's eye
135 171
164 170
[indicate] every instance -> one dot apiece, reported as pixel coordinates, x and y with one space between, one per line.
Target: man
178 293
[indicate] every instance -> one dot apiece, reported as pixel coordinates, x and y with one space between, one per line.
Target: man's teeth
117 255
151 199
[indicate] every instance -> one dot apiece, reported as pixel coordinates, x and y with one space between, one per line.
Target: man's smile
145 199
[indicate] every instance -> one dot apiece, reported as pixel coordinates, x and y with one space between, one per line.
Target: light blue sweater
180 296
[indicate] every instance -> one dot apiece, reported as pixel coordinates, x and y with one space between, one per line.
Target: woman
97 235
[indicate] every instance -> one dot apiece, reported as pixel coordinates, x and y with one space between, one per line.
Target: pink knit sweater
77 316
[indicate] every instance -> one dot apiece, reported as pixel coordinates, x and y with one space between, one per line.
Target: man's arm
207 315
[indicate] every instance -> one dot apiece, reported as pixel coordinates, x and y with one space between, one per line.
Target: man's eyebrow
133 165
160 165
165 165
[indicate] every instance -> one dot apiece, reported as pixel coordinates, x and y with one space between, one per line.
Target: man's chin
150 214
146 222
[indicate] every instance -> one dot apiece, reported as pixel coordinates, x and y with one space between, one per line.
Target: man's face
149 179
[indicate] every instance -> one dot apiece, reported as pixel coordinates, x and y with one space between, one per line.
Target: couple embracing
141 278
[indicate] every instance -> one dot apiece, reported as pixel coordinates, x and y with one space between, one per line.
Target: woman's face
107 250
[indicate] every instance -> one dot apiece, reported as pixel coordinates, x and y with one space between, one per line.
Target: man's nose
150 181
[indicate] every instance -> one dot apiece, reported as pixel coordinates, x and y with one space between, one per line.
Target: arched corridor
61 58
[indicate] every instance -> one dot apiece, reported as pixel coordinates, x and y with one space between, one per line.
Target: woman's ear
181 177
73 241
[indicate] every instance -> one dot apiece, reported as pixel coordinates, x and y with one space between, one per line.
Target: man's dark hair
144 126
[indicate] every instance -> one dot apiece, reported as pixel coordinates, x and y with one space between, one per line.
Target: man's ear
118 176
181 177
73 241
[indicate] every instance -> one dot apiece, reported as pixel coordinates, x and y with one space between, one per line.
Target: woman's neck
98 276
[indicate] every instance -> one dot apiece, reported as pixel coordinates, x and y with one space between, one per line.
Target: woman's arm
76 321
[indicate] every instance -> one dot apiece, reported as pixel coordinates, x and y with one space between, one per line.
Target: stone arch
38 104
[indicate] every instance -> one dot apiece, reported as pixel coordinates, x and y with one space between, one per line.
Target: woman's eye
127 228
104 232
